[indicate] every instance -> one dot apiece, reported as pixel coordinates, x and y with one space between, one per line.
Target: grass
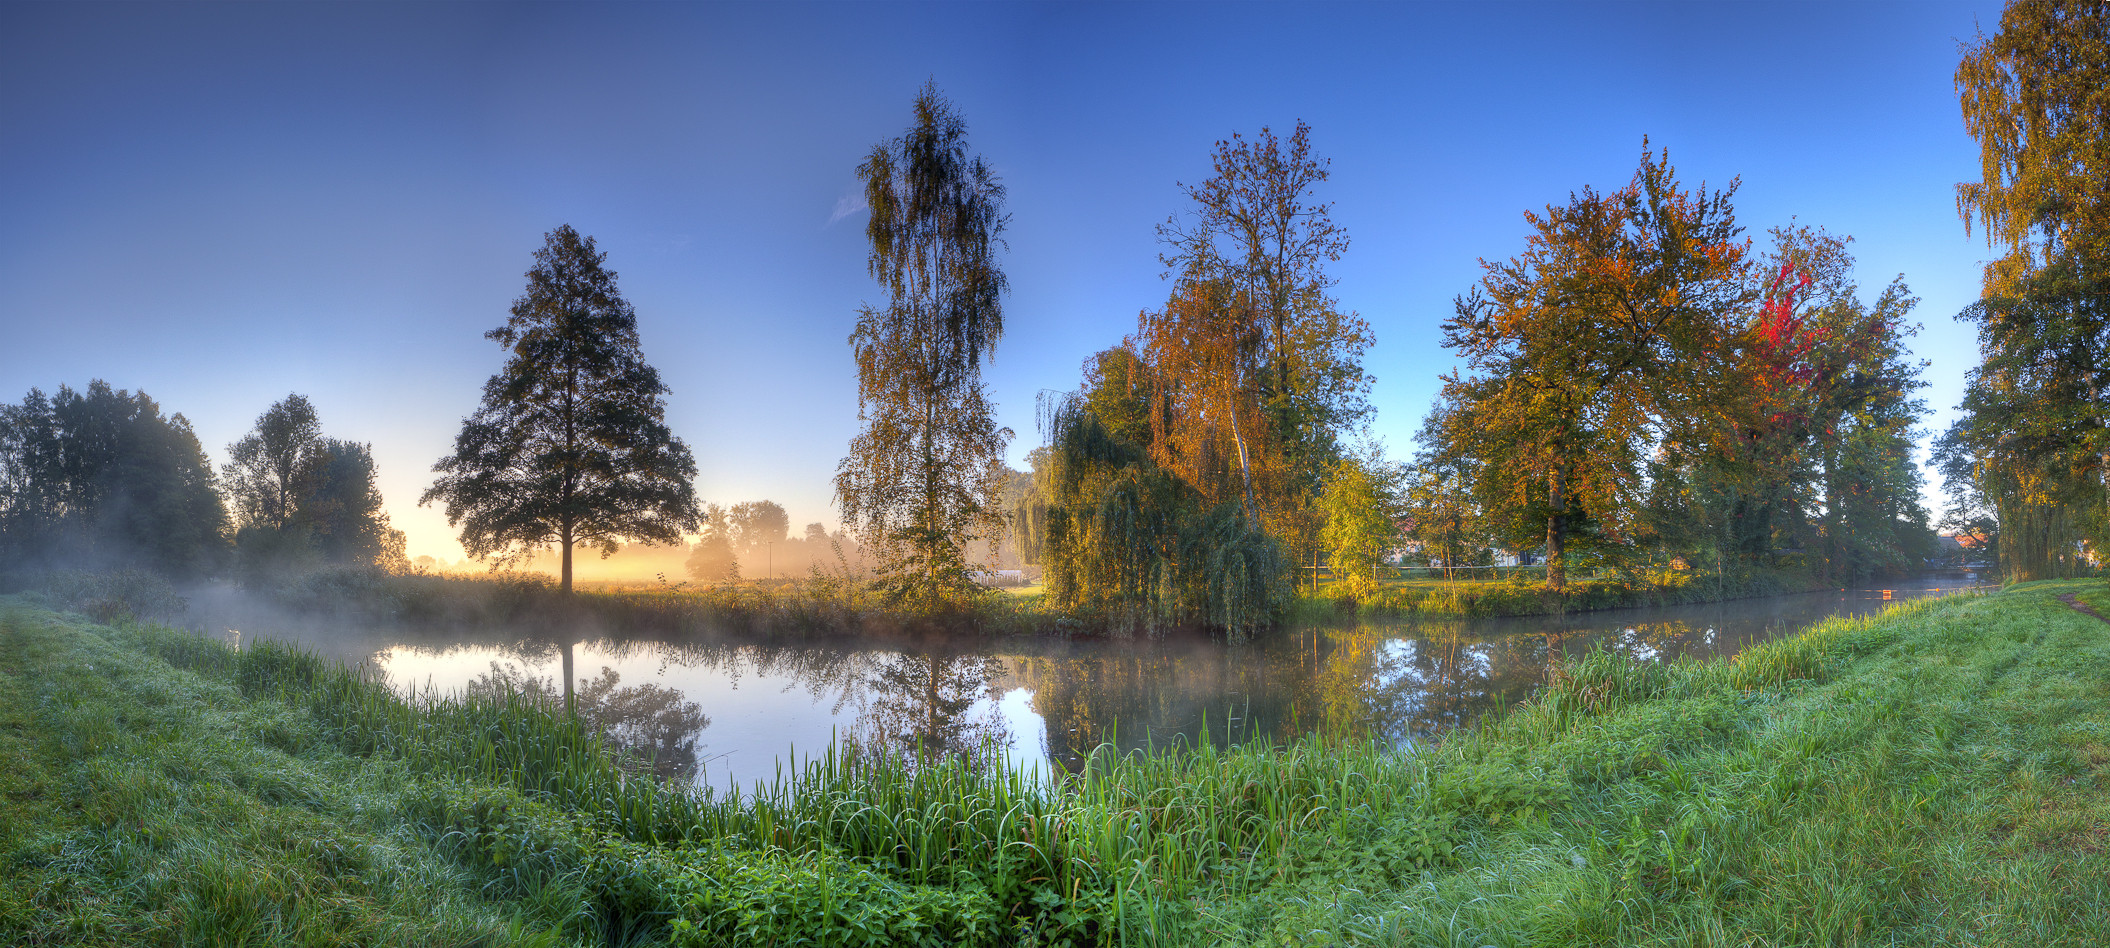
1937 774
1523 593
824 606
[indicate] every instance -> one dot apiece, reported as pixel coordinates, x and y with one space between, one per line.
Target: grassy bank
825 606
1525 594
821 606
1939 774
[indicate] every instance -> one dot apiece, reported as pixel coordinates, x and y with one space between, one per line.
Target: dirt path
2080 606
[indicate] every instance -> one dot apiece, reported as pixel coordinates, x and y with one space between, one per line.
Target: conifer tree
570 445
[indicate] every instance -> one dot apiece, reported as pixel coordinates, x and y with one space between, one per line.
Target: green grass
1938 774
1523 593
140 805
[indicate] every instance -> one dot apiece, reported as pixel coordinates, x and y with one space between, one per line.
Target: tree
757 526
341 508
2037 97
264 468
714 560
301 499
1127 542
1586 344
1255 368
1361 504
2035 427
1443 513
920 478
570 445
103 479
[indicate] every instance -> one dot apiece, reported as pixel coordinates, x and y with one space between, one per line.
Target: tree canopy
570 445
302 500
102 479
2032 445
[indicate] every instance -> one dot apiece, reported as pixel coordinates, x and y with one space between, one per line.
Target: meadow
1936 774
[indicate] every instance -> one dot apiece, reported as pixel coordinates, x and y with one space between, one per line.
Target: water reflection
1050 700
653 727
933 703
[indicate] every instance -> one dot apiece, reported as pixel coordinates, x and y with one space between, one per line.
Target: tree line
102 479
2027 463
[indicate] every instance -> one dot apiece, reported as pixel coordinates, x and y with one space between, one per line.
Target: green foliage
570 445
102 480
1645 385
2032 444
1251 371
923 475
1584 346
302 501
1133 548
1361 504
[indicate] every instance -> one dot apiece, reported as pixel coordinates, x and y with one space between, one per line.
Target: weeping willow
1128 545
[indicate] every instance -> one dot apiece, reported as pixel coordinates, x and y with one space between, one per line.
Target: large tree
758 526
921 478
1258 371
300 499
570 445
341 508
1130 544
2034 432
1586 347
264 468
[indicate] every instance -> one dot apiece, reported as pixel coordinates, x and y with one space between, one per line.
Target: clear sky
224 204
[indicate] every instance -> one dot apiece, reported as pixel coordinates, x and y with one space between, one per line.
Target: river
731 712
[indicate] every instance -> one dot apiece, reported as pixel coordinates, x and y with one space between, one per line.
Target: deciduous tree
920 479
1609 323
2035 426
102 479
264 468
1256 370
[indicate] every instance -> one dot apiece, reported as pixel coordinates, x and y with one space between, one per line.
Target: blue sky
224 204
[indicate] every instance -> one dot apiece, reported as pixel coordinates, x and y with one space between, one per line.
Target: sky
223 204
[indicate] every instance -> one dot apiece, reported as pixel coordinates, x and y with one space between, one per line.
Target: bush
107 597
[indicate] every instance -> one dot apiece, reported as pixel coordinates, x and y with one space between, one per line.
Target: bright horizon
220 205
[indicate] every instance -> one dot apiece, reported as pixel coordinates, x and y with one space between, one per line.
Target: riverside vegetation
828 604
1939 773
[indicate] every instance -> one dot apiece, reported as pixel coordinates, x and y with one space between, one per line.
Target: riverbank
825 607
1525 594
1936 774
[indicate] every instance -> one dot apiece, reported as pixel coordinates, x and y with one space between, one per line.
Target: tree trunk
1245 463
564 573
1557 532
564 589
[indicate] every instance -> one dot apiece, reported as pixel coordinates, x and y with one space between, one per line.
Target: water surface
726 711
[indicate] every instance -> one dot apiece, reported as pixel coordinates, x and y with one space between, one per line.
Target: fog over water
748 705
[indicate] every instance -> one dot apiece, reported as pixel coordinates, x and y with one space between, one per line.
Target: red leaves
1784 345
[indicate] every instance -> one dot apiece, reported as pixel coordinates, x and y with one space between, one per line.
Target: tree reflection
932 705
649 726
